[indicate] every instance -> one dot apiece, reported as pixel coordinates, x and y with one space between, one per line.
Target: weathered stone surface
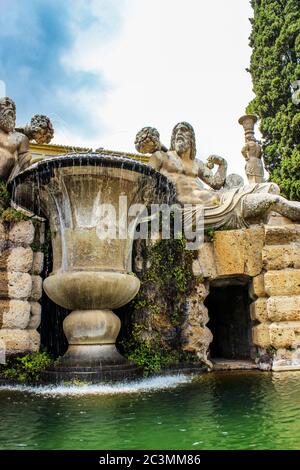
20 341
229 252
261 335
37 289
281 256
195 336
206 260
257 287
239 251
280 235
277 219
35 316
2 232
15 285
20 259
38 262
283 334
284 308
258 310
22 232
286 359
14 314
285 282
254 242
197 340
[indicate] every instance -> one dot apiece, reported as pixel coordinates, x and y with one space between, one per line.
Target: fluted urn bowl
87 200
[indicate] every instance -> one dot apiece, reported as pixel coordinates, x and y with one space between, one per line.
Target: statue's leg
258 205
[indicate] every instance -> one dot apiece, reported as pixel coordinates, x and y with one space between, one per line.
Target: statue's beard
181 146
7 123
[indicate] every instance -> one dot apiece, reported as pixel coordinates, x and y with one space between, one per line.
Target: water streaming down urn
91 274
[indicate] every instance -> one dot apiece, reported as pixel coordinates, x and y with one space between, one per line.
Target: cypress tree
275 67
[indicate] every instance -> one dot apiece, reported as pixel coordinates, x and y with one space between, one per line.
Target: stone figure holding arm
235 207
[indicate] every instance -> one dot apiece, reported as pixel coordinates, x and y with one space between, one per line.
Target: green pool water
254 410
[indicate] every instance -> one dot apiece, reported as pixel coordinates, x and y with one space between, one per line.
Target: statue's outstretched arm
217 180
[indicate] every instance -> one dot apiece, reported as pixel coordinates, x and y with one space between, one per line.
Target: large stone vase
92 273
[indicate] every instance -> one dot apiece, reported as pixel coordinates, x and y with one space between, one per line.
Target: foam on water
138 386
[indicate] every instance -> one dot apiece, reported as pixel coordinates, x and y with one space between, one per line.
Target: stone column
21 263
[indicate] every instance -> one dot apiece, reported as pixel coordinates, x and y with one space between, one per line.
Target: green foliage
209 233
4 194
158 309
12 215
26 368
275 65
271 351
148 352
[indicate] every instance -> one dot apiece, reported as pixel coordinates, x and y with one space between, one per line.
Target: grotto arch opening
228 306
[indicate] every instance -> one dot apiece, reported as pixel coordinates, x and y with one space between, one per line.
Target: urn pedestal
88 200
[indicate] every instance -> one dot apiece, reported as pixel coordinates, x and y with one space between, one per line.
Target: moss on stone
158 311
10 215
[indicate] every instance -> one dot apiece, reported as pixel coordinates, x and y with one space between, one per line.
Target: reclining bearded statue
228 203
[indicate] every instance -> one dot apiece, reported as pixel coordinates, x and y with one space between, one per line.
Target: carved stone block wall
269 255
21 264
278 305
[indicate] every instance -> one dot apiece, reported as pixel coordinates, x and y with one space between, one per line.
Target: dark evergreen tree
275 67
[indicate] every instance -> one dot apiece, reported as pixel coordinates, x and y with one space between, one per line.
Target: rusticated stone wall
21 265
269 257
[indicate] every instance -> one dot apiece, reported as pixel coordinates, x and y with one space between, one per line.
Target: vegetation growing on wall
158 309
275 66
26 368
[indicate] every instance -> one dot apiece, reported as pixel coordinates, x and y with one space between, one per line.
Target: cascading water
91 274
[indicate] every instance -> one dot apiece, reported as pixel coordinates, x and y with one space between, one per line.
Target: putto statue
225 205
40 129
15 155
252 151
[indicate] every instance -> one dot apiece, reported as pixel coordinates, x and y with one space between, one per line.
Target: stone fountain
92 272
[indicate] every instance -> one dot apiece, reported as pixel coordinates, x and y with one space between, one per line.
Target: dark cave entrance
228 306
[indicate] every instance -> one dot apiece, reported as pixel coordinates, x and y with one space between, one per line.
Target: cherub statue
40 129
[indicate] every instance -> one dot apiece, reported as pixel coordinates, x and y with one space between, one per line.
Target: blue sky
34 36
102 69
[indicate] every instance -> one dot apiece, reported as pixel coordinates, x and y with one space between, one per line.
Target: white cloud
169 61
